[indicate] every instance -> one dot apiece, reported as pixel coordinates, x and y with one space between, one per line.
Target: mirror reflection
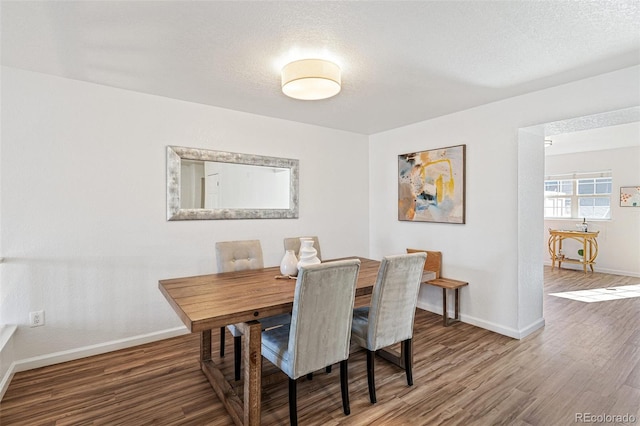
215 185
206 184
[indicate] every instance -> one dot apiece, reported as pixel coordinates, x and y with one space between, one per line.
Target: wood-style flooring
586 360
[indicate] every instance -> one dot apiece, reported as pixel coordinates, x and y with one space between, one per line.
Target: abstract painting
630 196
431 185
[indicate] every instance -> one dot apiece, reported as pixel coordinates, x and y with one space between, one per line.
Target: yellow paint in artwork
441 189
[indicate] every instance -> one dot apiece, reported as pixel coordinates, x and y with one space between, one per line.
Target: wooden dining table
208 302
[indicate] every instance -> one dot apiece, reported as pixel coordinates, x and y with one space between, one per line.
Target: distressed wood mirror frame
174 211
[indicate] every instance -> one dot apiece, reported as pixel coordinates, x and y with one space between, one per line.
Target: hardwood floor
585 360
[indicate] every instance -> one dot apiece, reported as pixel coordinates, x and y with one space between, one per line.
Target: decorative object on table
289 264
308 254
630 196
293 243
584 226
581 254
431 185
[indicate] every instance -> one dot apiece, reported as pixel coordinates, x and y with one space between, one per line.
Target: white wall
83 226
485 251
84 229
619 238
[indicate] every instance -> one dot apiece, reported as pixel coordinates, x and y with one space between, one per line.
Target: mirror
205 184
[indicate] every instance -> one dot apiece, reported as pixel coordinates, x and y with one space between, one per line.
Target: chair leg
370 375
293 404
221 342
408 361
237 356
344 386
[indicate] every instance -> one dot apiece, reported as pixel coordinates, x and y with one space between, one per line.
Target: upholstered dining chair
389 318
293 243
319 333
241 256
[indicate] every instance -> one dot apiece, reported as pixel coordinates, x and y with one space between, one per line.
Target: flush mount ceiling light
311 79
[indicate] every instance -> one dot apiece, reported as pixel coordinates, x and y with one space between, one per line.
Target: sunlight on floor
602 294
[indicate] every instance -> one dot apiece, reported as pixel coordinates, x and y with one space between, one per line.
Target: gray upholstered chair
319 333
241 256
389 318
294 244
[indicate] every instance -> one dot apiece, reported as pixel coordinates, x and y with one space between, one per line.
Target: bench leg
446 321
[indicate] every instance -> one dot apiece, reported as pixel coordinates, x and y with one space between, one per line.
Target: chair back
239 255
394 299
320 328
294 244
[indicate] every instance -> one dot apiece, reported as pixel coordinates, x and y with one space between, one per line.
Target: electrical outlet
36 319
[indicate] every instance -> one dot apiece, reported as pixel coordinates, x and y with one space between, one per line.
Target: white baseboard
487 325
6 352
577 267
538 324
86 351
6 379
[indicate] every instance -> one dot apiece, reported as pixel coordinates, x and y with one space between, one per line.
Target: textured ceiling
605 119
402 62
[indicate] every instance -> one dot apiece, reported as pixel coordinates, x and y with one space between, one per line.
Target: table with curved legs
589 247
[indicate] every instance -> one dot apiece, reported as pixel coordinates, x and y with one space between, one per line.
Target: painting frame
630 196
432 185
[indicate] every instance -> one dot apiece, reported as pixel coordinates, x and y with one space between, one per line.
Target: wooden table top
207 302
571 233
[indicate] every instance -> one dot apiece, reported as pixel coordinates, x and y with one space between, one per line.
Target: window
580 195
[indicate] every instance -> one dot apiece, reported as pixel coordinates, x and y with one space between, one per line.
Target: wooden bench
431 276
448 284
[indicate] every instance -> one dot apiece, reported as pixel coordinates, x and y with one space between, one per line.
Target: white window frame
552 201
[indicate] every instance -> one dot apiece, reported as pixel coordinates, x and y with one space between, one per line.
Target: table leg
205 346
245 412
393 356
252 360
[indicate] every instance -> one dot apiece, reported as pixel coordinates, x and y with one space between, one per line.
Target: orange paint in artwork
407 208
411 213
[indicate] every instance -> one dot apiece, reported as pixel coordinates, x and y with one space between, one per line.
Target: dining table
209 302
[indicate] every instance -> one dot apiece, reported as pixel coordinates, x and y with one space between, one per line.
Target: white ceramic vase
308 253
289 264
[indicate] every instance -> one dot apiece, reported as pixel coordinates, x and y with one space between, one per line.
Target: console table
589 247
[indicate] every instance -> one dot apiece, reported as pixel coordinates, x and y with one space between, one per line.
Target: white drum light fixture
311 79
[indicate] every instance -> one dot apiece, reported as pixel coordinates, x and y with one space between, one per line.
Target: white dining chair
293 243
319 333
389 318
241 256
